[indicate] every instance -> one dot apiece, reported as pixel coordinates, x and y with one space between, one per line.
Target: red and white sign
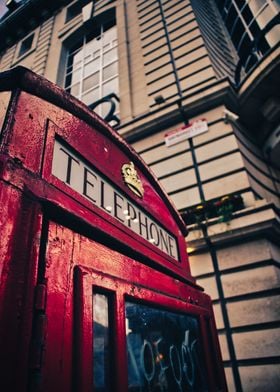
186 132
84 179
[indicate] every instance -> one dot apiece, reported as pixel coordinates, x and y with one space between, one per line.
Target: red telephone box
96 292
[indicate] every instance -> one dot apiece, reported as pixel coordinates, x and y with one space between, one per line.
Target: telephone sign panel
83 178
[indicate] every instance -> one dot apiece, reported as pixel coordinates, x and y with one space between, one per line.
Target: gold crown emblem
131 179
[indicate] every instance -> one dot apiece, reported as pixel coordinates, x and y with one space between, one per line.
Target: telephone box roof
24 79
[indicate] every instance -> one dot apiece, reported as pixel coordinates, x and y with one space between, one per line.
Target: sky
2 7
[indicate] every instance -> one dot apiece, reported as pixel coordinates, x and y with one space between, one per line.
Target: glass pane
75 89
237 33
273 36
91 67
96 54
247 15
163 351
90 81
110 56
73 11
26 44
110 87
245 48
110 70
78 64
87 58
76 75
101 374
68 80
91 96
231 18
109 35
77 57
92 46
255 5
254 28
264 17
106 47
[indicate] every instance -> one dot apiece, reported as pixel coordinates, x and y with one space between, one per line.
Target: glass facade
92 66
253 27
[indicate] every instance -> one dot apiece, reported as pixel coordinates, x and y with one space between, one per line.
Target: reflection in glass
163 351
90 81
101 374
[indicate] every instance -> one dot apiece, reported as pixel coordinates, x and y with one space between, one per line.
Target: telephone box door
117 325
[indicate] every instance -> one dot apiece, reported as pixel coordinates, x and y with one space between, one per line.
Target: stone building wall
176 66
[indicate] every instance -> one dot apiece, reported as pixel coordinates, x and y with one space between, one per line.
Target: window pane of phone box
163 350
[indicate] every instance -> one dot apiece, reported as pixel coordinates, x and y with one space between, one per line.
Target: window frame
88 282
76 6
20 56
73 45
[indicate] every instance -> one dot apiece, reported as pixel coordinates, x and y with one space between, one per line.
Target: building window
73 11
102 378
92 67
248 25
26 45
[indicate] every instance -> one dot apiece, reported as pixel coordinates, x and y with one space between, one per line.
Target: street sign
185 132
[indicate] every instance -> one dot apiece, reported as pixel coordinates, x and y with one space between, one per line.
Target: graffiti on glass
163 351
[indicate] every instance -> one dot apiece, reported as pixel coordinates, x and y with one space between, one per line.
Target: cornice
27 16
220 92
